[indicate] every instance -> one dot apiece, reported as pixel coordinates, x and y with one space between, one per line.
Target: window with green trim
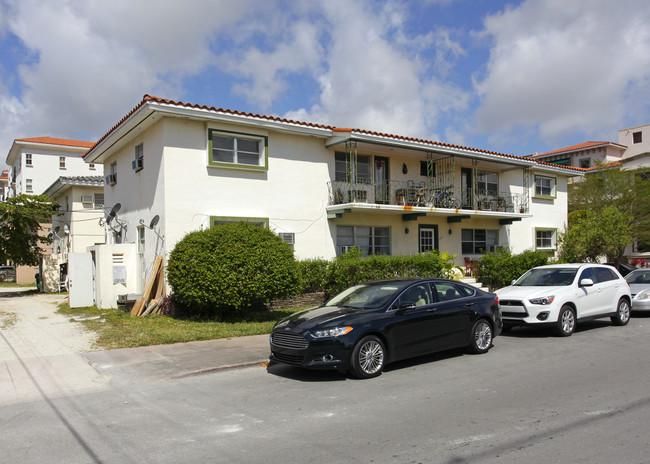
546 239
245 150
220 220
545 186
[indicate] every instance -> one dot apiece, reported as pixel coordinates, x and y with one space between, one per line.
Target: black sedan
371 324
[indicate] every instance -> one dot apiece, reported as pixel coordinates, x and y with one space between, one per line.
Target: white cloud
374 83
561 68
96 59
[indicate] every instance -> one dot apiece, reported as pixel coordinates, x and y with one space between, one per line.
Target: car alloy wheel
622 316
481 337
368 357
566 322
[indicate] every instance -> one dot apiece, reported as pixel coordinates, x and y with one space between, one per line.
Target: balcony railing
410 193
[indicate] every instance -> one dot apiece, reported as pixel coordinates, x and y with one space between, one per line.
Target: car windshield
638 277
547 277
367 295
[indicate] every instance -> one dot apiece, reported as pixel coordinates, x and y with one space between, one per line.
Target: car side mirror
514 281
586 283
405 306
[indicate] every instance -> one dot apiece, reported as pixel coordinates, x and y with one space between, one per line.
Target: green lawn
117 329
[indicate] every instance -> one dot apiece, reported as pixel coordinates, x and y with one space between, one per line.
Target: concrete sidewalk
44 355
150 363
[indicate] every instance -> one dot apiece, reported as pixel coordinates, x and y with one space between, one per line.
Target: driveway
40 351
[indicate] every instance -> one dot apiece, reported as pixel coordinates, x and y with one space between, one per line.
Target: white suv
559 295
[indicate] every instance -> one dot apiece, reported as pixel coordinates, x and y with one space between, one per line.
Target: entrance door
466 188
381 180
428 238
80 279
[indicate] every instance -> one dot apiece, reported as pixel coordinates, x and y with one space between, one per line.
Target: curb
207 370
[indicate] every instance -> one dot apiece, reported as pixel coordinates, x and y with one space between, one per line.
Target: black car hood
314 317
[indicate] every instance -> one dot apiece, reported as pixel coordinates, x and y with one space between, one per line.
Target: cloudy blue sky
518 76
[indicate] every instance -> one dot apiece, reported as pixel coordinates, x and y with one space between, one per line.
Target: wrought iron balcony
419 194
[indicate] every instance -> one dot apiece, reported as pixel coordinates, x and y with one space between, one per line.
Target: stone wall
300 301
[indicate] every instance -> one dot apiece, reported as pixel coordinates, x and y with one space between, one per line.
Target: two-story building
323 189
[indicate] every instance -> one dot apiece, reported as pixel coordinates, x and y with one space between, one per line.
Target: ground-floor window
428 238
370 240
545 239
479 241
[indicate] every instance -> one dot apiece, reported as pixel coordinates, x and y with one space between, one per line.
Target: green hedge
351 268
499 269
230 268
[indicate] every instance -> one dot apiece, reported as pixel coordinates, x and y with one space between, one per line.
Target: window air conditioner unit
86 198
137 164
111 179
346 248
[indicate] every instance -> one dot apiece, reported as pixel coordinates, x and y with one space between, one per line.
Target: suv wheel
566 321
622 316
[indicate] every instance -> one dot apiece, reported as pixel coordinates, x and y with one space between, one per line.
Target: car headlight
331 332
643 295
545 300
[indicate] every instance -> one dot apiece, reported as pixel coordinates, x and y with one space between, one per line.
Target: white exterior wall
109 261
82 220
544 213
45 169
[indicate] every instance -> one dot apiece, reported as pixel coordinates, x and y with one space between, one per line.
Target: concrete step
472 281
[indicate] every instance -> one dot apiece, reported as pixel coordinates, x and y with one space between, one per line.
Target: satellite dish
50 235
115 209
154 221
109 219
57 229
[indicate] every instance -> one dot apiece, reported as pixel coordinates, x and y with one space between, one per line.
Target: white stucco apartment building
35 163
321 188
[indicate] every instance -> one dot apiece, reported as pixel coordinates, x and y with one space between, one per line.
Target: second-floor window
138 162
343 168
544 186
237 149
28 159
487 182
61 162
637 137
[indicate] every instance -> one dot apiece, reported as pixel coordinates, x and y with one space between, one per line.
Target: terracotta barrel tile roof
57 141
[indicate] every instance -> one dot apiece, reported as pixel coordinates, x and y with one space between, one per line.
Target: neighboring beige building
322 189
632 151
78 227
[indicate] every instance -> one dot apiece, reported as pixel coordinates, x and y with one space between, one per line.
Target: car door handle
469 305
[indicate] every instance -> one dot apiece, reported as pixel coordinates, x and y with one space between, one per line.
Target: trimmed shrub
350 268
499 269
312 274
230 268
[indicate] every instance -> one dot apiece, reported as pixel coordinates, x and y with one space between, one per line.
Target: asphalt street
533 398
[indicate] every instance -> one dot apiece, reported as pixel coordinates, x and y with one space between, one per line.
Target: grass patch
7 319
117 329
14 284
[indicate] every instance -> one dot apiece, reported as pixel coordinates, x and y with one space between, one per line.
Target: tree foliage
20 219
230 268
592 201
595 233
